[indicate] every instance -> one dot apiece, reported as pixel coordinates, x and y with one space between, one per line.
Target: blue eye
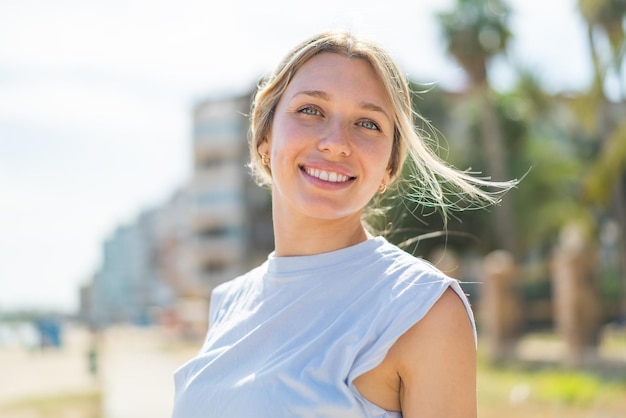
368 124
309 110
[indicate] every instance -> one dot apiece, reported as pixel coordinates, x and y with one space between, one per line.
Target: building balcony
227 175
218 216
212 150
219 252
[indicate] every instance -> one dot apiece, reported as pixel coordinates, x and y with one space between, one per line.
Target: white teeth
326 175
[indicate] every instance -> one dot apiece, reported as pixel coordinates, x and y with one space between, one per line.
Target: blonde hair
432 182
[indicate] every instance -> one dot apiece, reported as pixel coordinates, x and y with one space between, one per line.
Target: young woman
337 322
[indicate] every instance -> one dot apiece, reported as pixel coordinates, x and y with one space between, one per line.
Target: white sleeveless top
288 338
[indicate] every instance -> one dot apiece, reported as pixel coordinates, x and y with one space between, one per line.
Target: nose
336 140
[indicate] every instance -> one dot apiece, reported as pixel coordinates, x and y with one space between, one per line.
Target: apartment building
230 215
212 229
228 227
128 287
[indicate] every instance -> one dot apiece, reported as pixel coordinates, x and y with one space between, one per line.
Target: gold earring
265 159
382 188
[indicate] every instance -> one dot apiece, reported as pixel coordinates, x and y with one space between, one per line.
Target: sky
96 100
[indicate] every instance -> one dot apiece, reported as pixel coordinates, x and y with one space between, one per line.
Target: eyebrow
324 96
375 108
314 93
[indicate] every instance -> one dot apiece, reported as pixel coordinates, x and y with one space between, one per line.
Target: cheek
380 155
393 163
285 139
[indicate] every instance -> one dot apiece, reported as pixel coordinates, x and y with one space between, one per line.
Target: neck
306 236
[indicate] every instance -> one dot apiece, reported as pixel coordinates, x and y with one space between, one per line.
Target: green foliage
430 104
570 150
547 197
606 169
569 387
530 388
611 287
537 290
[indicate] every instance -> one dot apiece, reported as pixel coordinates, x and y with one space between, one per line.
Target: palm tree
605 184
605 18
475 31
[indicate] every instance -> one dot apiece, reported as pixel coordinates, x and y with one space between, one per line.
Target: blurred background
124 197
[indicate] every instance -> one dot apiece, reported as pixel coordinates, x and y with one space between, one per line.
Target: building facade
230 216
212 229
129 286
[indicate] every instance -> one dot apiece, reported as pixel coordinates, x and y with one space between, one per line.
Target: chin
332 214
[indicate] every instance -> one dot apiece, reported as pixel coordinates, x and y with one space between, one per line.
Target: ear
263 147
388 178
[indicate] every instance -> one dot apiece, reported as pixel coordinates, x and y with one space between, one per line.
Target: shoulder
436 361
404 289
430 362
447 318
404 263
413 279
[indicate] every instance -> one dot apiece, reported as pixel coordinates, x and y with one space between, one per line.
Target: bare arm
436 363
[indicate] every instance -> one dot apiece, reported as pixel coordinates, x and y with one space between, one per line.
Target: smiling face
330 140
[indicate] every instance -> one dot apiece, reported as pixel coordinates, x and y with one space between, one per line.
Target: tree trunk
619 208
505 228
